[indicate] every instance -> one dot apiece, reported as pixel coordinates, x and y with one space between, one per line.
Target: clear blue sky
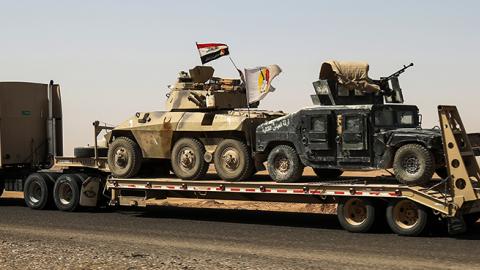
113 58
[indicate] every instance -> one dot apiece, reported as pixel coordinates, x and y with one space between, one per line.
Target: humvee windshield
396 116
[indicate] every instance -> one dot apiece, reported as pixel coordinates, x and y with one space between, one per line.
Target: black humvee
352 130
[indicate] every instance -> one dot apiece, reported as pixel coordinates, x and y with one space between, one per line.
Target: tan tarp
353 75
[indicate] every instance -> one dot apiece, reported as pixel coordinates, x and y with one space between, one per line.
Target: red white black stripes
211 51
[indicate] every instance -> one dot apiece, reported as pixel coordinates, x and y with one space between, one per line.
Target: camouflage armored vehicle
359 124
206 121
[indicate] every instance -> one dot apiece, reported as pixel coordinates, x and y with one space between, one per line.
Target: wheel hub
355 211
230 159
406 214
282 164
35 192
121 157
65 193
411 165
187 158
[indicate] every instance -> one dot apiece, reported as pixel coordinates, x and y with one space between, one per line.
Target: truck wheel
124 157
356 215
87 152
406 217
38 191
413 164
327 173
66 192
284 165
471 219
232 160
187 159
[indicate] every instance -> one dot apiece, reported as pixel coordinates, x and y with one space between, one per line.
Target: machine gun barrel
396 74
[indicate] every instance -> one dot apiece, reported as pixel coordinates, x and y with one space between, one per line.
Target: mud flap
90 192
456 225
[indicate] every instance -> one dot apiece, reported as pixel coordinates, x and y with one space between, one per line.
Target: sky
115 58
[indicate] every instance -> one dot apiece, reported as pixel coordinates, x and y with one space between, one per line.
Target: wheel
232 160
413 164
124 157
2 187
66 192
284 165
406 217
187 159
38 191
471 220
327 173
356 215
442 172
86 152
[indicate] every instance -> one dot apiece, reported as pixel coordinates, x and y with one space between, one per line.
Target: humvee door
352 138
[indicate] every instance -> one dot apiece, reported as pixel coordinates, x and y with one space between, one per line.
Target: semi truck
51 180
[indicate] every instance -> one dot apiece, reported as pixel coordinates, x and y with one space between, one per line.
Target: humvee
359 124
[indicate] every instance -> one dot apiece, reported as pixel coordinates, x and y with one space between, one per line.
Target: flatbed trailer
361 201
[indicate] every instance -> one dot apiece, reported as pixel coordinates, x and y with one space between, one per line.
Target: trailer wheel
232 160
124 157
356 215
327 173
38 191
66 192
471 219
413 164
284 165
187 159
406 217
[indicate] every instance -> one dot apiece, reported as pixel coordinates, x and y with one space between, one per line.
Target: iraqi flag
211 51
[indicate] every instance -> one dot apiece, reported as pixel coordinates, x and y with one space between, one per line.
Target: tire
124 157
356 215
327 173
284 165
2 187
406 218
87 152
188 161
442 172
38 191
413 164
66 192
232 160
471 220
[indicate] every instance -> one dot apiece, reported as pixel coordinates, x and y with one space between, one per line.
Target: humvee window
406 118
353 124
319 124
384 118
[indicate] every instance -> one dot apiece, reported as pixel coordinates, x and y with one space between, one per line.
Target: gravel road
185 238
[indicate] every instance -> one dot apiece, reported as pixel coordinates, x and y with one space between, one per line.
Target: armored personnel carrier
358 124
207 120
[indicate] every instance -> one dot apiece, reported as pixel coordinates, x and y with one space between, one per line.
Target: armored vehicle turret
207 121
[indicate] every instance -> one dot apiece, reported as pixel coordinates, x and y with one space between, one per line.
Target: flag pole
199 54
244 80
